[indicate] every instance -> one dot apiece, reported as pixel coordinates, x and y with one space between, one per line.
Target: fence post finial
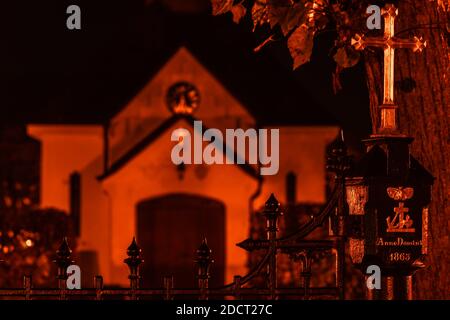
272 212
203 261
338 160
63 259
133 261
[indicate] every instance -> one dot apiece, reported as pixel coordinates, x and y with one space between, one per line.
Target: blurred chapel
94 162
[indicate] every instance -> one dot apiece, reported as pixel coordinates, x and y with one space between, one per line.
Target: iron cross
389 43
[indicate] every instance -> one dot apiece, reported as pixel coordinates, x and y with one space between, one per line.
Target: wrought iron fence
295 246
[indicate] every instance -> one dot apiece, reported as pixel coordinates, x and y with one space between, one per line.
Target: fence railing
295 246
299 250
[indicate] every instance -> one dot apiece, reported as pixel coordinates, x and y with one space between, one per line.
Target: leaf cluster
300 21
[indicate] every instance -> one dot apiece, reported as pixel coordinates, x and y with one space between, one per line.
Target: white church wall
303 152
64 149
95 219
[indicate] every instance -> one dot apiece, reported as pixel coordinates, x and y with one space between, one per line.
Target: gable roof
150 107
151 137
263 84
269 92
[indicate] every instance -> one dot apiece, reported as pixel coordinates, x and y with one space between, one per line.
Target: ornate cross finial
389 43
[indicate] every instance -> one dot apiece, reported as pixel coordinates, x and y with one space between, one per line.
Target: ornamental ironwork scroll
294 245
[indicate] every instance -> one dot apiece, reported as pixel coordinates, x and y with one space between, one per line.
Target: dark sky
51 74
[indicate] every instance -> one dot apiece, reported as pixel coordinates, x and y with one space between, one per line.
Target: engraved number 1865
399 256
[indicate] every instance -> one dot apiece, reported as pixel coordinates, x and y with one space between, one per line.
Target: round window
183 98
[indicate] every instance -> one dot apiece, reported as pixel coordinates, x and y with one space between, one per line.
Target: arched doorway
169 230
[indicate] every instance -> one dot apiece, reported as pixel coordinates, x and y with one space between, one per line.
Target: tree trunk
423 95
